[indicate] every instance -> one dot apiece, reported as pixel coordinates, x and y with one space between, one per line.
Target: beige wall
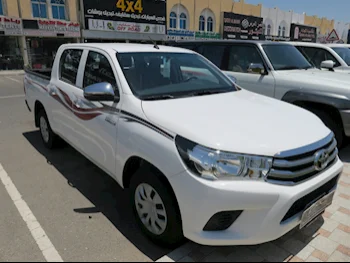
195 8
325 25
26 9
11 8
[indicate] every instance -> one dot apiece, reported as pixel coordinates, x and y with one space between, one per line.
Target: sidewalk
328 239
11 72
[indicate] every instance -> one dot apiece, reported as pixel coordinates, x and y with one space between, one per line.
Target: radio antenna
154 43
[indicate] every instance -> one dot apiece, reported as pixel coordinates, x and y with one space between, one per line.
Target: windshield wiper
158 97
289 68
208 92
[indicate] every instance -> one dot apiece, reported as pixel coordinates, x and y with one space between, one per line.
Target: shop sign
120 26
180 35
144 16
207 35
10 26
236 26
277 38
49 28
303 33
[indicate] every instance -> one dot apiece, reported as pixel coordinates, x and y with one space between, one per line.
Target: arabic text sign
120 26
11 26
137 11
236 26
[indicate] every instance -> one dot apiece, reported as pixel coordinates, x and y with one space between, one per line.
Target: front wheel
155 207
48 137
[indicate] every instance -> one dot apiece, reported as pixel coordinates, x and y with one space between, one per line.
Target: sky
332 9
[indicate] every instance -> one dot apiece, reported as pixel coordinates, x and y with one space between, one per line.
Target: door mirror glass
328 64
100 92
256 69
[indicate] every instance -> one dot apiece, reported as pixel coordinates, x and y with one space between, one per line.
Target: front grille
302 204
297 168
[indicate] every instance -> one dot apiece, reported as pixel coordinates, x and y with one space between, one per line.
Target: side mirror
100 92
328 64
256 69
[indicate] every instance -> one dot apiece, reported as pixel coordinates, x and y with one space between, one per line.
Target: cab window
318 55
240 58
69 65
98 70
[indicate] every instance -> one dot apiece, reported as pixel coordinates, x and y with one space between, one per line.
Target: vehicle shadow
100 189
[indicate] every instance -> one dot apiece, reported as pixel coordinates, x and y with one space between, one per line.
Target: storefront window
1 8
58 9
10 54
39 8
42 51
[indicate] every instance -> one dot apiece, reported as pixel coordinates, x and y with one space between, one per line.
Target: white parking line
12 96
16 80
48 250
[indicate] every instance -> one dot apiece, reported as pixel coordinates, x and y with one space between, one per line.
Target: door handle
77 104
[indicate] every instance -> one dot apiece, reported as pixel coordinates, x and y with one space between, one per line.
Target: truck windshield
286 57
157 75
344 53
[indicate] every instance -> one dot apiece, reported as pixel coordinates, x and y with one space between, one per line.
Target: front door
239 59
96 122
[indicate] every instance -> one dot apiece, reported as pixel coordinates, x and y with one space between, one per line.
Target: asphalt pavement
82 211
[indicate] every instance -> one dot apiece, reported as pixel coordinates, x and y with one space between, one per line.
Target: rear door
61 86
237 62
96 122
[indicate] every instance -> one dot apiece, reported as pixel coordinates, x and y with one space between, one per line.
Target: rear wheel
330 122
48 137
155 207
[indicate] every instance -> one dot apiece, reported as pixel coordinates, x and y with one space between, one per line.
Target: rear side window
69 65
98 70
215 53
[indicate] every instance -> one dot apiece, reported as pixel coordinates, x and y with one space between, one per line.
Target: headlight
214 164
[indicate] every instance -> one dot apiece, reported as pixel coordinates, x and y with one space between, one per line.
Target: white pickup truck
279 70
200 157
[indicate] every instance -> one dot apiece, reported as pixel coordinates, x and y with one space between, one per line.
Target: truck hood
241 122
318 77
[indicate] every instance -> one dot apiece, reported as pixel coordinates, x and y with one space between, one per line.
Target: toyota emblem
321 160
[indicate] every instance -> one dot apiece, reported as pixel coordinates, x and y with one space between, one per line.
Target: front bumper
264 206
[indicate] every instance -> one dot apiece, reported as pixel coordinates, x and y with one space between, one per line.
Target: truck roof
128 47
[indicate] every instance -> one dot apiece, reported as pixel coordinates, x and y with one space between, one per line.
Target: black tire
173 234
331 124
51 141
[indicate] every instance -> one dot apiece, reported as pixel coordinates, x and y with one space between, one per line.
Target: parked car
200 157
327 57
280 70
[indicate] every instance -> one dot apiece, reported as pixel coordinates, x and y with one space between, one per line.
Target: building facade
277 23
202 18
32 30
324 26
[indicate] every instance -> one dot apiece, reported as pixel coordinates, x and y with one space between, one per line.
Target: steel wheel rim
150 209
44 129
